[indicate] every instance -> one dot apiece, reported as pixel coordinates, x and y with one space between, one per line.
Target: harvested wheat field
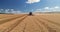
26 23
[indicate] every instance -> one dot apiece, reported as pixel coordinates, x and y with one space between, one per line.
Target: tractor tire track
6 16
50 21
21 26
14 25
42 27
24 27
8 24
50 24
32 26
9 19
50 29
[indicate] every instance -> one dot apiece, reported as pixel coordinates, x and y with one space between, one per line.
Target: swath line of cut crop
14 25
46 25
7 20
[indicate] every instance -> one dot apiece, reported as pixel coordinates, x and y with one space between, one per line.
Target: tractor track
33 26
14 25
24 27
49 29
50 24
42 27
26 23
21 26
9 19
51 21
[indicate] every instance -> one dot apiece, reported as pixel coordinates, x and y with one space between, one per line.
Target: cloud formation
32 1
56 7
46 8
10 11
49 9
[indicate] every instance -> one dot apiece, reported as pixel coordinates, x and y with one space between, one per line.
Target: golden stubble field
26 23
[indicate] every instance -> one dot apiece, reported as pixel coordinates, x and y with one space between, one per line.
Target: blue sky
29 5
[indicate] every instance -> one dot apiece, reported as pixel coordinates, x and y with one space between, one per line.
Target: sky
16 6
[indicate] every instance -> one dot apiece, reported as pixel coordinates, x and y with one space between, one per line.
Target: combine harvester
30 14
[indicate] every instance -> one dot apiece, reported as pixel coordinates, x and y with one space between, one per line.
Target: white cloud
46 8
49 9
16 12
56 7
2 9
6 10
32 1
38 10
42 11
12 11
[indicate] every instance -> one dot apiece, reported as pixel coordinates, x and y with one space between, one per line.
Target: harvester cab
30 13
